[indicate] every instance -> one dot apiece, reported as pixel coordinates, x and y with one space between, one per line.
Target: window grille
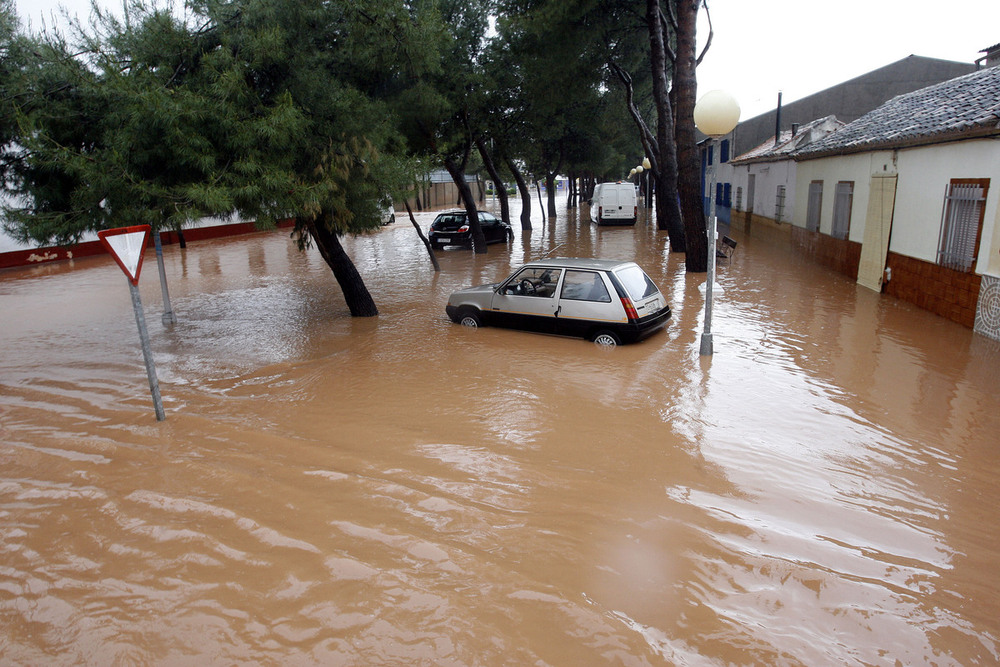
739 198
815 205
779 204
843 199
961 223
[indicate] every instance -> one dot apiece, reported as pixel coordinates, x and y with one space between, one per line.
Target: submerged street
401 490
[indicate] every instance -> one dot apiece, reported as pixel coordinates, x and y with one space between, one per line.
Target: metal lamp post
715 114
646 166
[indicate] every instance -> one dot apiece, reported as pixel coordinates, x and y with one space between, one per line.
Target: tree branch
708 43
649 142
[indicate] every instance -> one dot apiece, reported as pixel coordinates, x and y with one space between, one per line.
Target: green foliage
314 110
255 108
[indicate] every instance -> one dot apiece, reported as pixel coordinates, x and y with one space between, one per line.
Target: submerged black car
452 228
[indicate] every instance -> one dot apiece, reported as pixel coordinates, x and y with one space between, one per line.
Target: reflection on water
401 490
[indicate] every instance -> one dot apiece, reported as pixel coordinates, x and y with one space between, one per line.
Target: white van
614 204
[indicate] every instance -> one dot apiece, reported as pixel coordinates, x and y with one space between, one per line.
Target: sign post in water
126 245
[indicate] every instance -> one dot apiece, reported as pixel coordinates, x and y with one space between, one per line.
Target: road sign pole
126 245
147 352
168 311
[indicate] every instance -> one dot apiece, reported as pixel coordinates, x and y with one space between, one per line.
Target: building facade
906 199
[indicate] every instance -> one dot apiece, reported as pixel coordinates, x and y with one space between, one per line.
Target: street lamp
715 114
646 165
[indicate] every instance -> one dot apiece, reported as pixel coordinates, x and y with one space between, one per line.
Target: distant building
763 179
851 99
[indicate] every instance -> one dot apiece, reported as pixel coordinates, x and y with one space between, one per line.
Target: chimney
777 122
795 129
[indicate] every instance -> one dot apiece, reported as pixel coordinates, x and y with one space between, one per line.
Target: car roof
581 263
453 211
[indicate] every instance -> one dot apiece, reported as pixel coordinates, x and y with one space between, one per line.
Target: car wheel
470 318
606 339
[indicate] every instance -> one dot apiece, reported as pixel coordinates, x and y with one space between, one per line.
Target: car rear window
636 282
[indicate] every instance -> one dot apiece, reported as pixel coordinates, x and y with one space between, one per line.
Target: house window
727 195
720 199
962 222
815 204
724 151
779 204
843 199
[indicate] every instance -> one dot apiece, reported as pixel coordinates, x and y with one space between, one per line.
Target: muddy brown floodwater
404 491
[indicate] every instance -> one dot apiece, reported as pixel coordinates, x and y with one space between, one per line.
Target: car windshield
636 282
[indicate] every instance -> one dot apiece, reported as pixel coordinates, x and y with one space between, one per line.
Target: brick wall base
841 255
943 291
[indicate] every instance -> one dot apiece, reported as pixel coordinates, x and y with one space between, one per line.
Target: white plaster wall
857 168
769 176
923 173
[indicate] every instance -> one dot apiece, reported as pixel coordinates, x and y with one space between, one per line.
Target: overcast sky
799 47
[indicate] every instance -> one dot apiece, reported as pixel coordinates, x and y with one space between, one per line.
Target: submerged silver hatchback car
606 301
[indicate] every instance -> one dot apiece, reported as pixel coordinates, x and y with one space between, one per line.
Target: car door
490 226
527 300
586 302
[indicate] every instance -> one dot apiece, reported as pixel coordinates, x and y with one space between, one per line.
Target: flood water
401 490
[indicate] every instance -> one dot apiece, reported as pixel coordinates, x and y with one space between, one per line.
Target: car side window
534 281
585 286
487 220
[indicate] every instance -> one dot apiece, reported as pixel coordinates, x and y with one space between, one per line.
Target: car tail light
600 212
463 229
629 308
635 212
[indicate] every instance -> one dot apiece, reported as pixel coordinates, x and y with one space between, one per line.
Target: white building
906 199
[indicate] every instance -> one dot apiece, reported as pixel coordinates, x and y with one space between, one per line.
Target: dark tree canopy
316 111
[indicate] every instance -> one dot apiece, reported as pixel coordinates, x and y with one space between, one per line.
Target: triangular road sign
126 245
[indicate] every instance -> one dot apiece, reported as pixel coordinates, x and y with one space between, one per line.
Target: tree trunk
550 186
420 233
498 186
688 158
359 300
541 204
525 193
465 195
668 213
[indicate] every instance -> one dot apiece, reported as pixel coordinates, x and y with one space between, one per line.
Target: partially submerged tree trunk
688 159
465 195
550 191
525 193
498 186
420 233
541 204
359 300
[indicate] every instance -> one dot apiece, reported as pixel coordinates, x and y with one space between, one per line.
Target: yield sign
126 245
